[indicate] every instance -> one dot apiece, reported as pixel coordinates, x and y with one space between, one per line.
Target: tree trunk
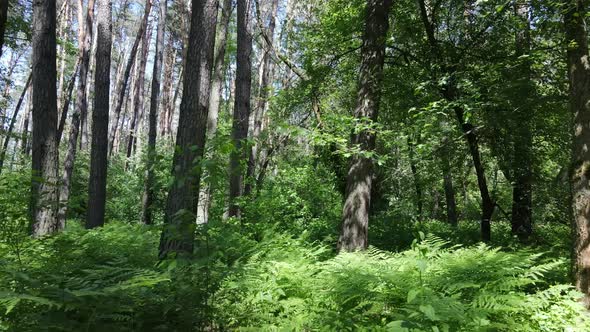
167 85
241 105
138 94
355 214
263 93
148 191
448 183
84 40
44 189
579 93
181 206
523 139
416 176
123 84
13 122
66 104
214 103
26 143
100 117
3 18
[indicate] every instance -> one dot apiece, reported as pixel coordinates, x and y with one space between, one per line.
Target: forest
294 165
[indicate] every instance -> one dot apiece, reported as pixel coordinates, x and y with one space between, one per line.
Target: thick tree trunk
148 191
355 214
241 105
214 103
263 93
522 212
579 77
100 117
125 79
44 189
138 92
3 18
181 206
12 123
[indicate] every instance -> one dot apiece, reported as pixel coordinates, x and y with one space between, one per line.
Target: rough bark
214 103
44 189
579 95
522 212
148 191
12 123
263 93
181 206
125 79
355 214
100 117
241 105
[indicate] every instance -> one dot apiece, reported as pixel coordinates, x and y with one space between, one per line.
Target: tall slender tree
100 116
355 214
241 105
579 95
44 190
3 19
148 191
181 205
215 102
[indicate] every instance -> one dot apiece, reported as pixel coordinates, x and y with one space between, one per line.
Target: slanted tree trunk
263 93
13 122
355 214
522 211
241 105
214 103
579 94
181 206
138 92
125 79
44 189
148 191
66 103
100 117
84 40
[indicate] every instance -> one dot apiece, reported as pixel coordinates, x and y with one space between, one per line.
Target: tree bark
416 176
148 191
44 189
355 214
241 105
214 103
167 85
450 200
522 212
66 104
181 206
100 117
13 122
3 18
123 84
579 95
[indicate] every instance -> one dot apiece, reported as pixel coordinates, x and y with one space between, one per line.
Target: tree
215 101
181 205
123 82
44 189
100 117
10 130
3 19
148 191
84 40
241 105
579 95
355 214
